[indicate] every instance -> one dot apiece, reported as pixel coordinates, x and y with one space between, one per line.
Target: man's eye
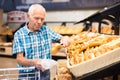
36 18
42 19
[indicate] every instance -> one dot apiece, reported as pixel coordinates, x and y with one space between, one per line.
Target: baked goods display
98 50
67 29
55 48
63 72
104 29
88 45
6 32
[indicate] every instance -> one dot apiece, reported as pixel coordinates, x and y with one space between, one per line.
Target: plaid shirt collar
27 31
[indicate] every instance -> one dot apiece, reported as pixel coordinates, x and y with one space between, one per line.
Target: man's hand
44 64
38 64
65 41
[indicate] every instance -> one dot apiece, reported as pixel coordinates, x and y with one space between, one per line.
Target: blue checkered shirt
35 45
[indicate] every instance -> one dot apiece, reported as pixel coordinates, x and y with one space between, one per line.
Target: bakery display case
87 62
91 49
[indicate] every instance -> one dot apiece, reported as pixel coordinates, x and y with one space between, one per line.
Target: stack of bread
63 72
88 45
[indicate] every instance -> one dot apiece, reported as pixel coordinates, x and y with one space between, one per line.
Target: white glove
47 64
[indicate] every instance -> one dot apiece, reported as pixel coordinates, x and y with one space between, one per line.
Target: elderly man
32 43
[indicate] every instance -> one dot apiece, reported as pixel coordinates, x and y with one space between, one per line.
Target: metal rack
111 13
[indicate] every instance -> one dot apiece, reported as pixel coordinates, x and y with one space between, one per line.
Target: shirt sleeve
17 44
54 35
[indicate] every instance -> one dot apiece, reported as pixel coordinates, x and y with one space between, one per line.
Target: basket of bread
91 51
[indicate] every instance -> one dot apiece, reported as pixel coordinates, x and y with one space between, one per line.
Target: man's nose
39 21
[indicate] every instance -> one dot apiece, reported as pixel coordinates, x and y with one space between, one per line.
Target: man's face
36 20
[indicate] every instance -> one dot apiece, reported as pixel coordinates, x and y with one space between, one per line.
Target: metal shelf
111 13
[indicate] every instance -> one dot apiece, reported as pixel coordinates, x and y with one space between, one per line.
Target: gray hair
34 7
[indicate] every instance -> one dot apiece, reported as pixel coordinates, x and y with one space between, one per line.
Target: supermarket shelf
6 50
